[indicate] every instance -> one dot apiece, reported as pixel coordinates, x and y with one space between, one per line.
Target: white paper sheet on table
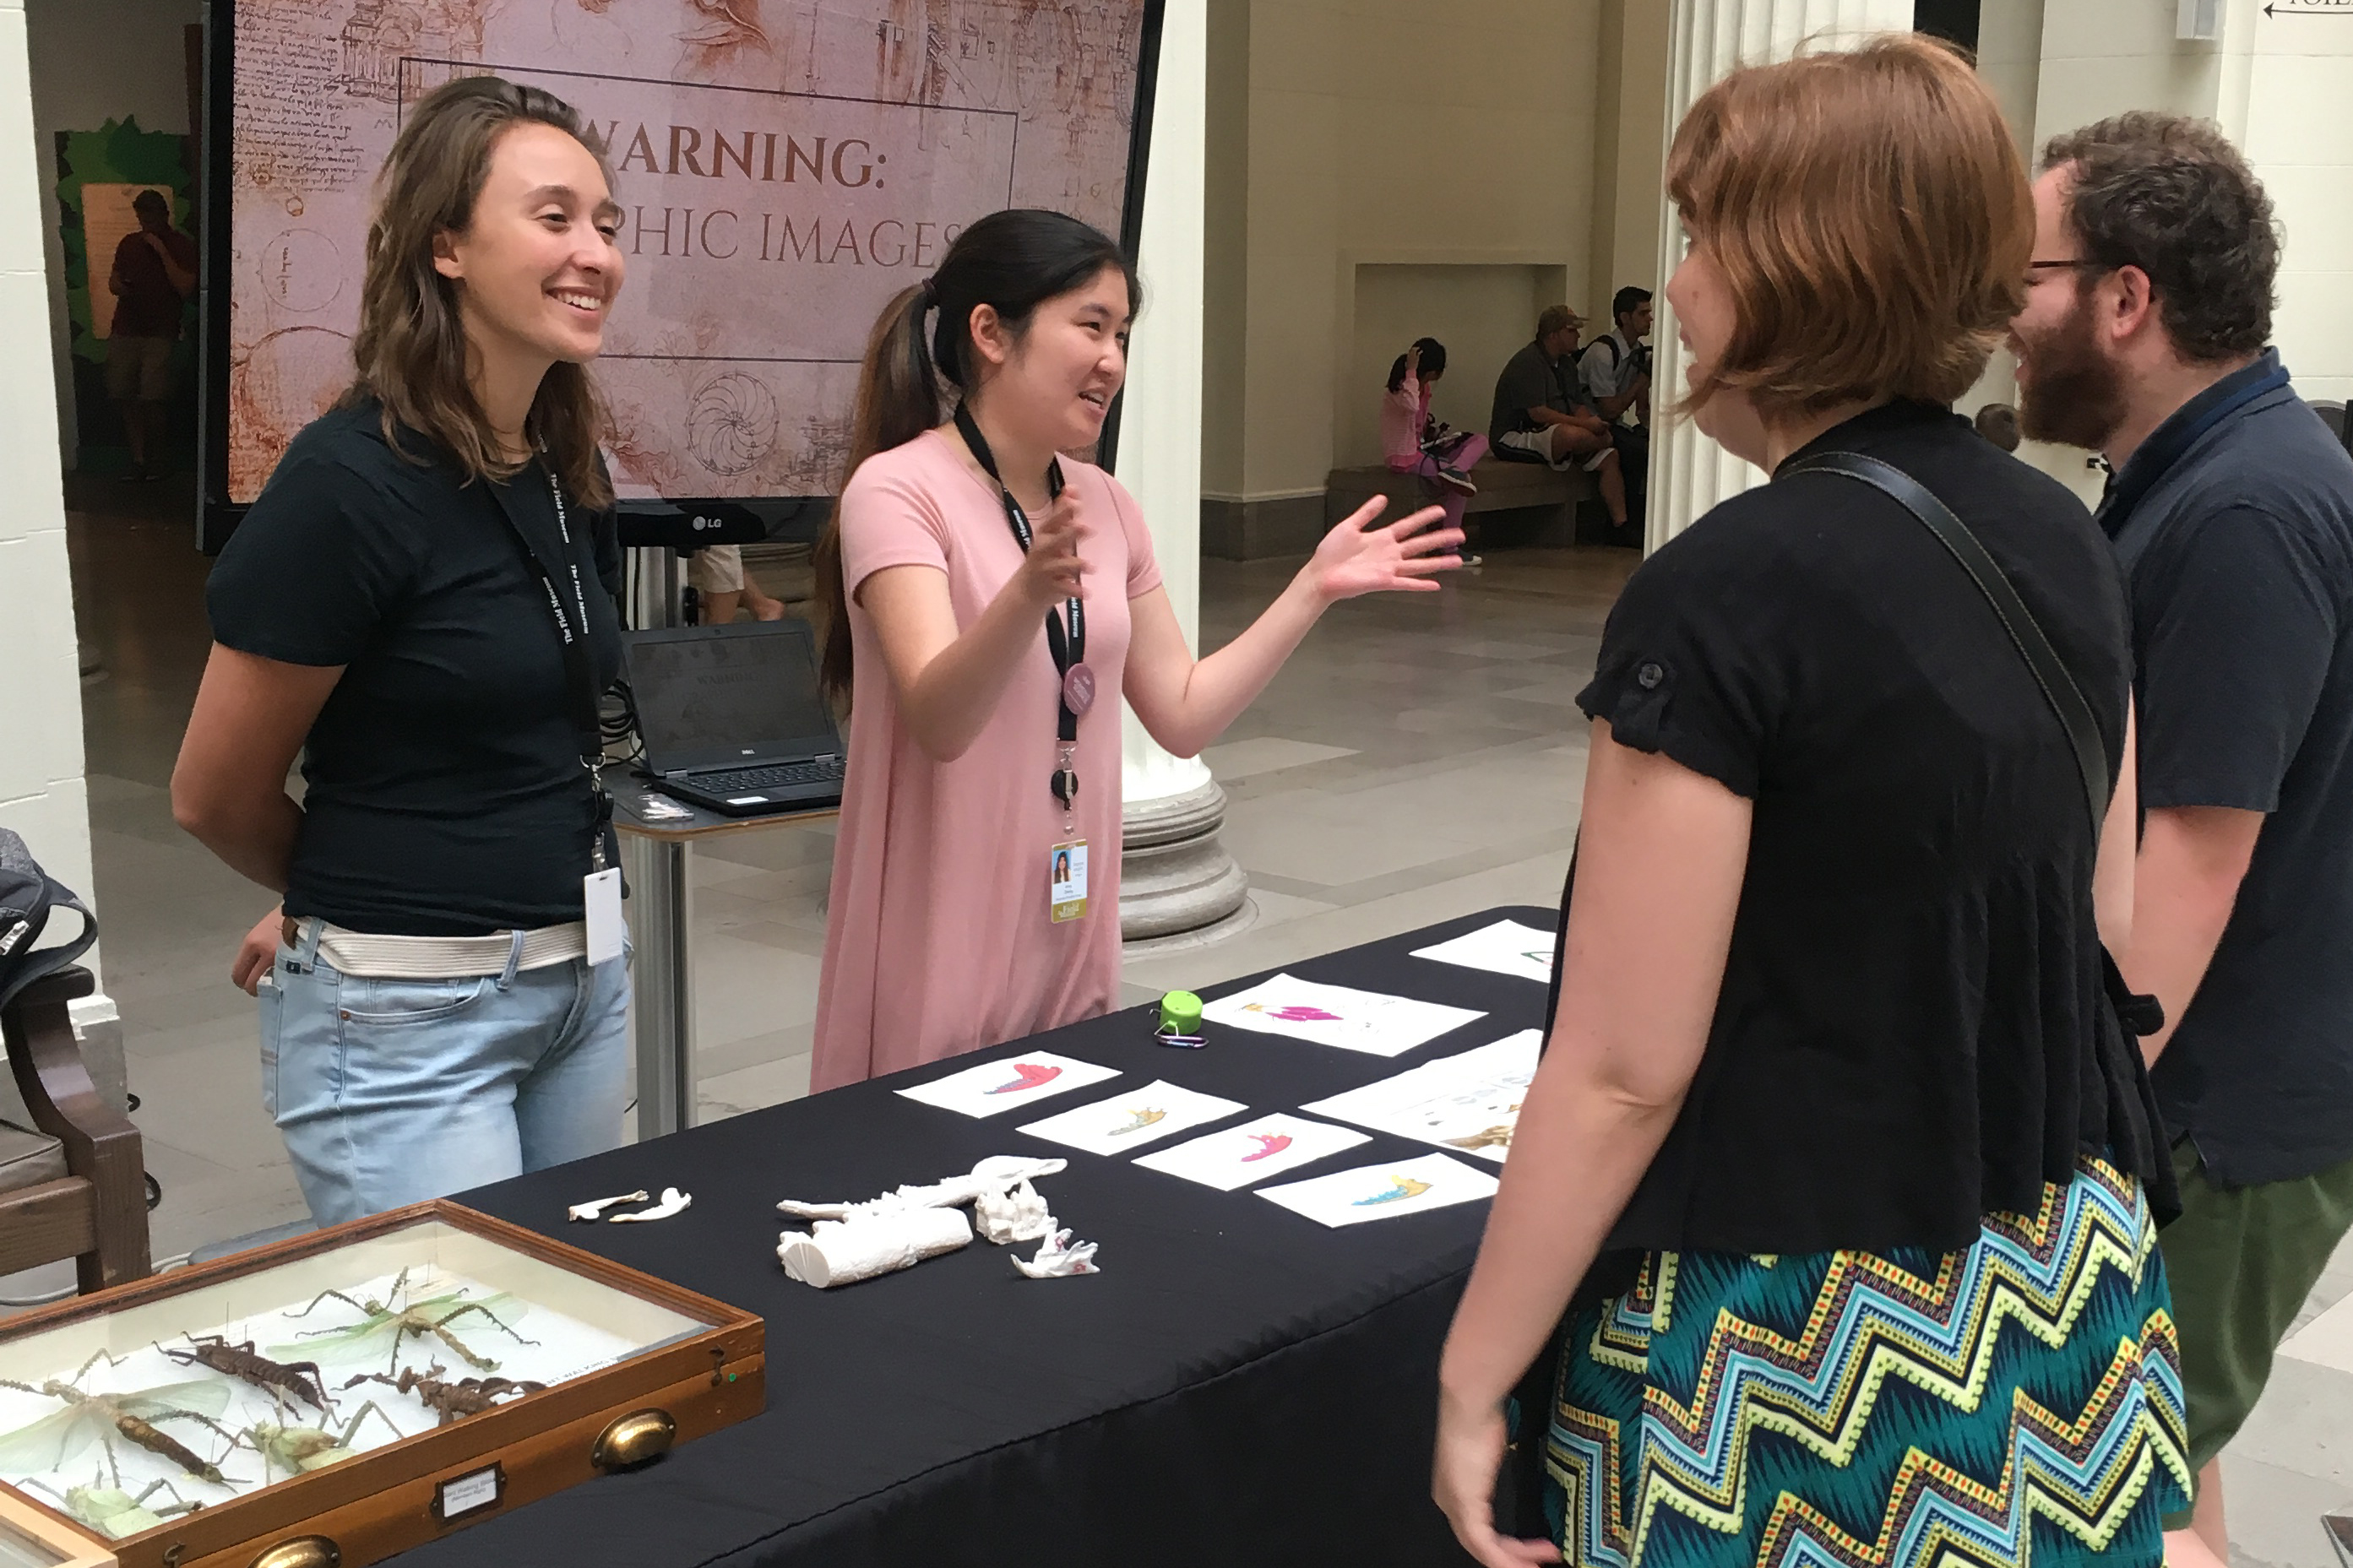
1256 1150
1338 1015
1008 1083
1380 1192
1507 947
1133 1119
1469 1102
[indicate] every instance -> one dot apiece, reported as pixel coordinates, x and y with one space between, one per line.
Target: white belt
378 957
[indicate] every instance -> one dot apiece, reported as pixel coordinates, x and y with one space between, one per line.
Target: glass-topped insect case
349 1395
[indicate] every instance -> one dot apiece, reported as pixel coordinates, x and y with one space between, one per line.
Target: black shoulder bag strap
2142 1015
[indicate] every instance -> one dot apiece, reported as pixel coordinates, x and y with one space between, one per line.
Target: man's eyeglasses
2076 263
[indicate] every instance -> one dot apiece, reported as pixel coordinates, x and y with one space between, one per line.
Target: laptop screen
711 695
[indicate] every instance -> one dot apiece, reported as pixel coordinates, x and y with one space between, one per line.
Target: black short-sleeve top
444 792
1912 1030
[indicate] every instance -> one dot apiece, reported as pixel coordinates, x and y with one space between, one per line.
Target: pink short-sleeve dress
938 938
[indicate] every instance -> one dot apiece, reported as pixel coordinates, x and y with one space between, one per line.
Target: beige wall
2301 82
1225 223
1380 133
1629 152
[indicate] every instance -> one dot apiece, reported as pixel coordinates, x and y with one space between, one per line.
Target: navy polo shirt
2237 549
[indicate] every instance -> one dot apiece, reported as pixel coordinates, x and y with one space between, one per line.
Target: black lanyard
1069 649
580 687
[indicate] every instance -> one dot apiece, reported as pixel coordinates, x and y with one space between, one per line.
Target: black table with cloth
1240 1385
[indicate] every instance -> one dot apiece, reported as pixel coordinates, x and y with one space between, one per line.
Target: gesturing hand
1353 559
1053 571
1463 1479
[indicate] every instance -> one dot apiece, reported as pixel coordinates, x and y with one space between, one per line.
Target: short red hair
1871 216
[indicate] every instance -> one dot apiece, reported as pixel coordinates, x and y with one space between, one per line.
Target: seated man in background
1615 371
1615 374
1537 417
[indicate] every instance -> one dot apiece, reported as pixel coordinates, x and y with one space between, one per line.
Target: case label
471 1493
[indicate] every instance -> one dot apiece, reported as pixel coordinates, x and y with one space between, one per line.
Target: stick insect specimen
116 1511
48 1443
432 1316
295 1449
277 1379
467 1397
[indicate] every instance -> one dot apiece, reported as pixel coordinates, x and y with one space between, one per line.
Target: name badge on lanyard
1067 867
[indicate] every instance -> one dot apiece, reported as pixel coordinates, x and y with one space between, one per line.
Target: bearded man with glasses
2145 338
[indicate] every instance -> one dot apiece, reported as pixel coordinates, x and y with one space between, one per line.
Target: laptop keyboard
783 775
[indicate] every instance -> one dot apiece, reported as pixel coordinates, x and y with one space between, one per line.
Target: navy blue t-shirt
2238 560
445 794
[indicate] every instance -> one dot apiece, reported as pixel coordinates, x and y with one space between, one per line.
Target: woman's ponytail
898 400
1011 261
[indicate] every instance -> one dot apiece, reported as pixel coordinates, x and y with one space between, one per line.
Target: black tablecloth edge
748 1551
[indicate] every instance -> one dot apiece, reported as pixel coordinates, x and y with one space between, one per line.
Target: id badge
601 892
1067 882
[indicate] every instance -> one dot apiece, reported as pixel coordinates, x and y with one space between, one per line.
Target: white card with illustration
1008 1083
1384 1191
1339 1016
1469 1102
1133 1119
1507 947
1237 1157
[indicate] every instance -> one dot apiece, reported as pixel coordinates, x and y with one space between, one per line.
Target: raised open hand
1053 571
1355 559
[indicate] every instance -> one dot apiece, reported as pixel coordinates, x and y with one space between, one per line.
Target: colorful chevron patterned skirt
2018 1403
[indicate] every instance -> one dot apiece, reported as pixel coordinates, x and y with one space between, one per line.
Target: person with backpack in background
1615 375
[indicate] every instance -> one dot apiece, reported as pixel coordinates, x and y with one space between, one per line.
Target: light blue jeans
392 1092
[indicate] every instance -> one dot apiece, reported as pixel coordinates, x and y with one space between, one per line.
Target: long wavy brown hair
411 350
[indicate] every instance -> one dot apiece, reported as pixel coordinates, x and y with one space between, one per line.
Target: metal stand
661 1004
661 917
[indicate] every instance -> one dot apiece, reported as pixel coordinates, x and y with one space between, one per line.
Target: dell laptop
733 718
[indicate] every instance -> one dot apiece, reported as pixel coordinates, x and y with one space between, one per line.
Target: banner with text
781 168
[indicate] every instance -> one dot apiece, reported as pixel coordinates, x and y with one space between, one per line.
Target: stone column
1175 878
42 793
1690 473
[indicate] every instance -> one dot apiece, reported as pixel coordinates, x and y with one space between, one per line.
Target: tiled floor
1420 758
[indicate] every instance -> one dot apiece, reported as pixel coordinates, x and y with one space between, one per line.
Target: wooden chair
77 1188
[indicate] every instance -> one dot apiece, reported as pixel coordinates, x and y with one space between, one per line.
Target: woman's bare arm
229 788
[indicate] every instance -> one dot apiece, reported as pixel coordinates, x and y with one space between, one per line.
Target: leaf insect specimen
278 1379
432 1316
295 1449
116 1511
469 1396
47 1444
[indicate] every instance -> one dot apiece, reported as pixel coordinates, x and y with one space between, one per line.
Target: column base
1176 881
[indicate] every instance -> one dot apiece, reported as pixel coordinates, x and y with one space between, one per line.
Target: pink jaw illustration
1029 1075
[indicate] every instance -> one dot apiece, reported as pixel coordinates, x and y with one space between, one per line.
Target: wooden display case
625 1366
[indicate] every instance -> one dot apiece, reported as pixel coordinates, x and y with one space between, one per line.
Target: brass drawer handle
302 1551
637 1438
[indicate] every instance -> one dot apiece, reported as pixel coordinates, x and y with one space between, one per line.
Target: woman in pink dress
988 602
1413 442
